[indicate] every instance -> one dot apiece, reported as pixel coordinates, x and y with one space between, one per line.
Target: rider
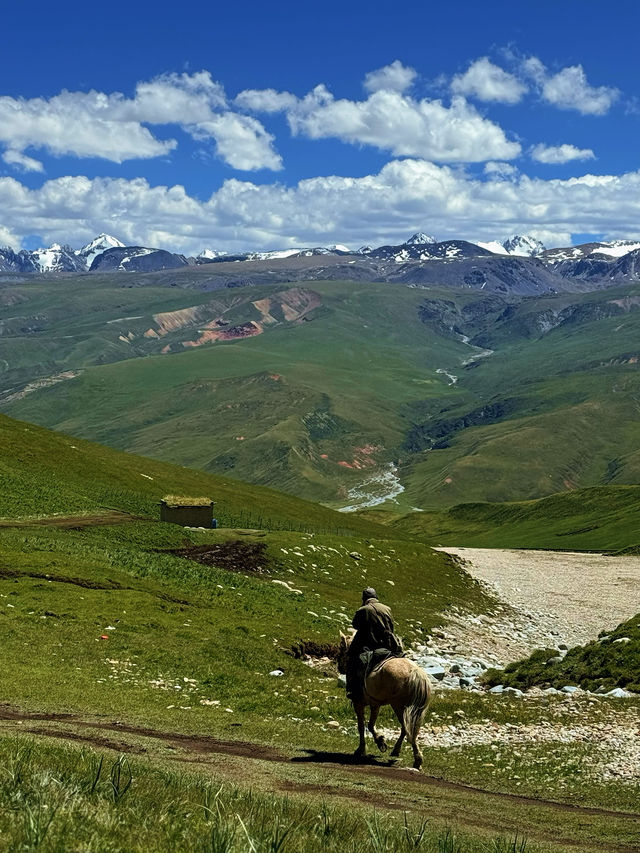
374 630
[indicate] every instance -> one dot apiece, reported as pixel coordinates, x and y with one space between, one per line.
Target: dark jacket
374 625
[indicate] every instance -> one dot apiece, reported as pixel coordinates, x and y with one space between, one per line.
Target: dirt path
77 729
73 521
570 597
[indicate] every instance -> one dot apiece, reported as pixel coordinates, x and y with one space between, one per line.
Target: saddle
371 660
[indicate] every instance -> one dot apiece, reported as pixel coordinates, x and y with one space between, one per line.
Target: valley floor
549 597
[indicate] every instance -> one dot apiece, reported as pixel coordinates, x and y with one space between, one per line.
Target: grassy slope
573 420
186 642
174 617
342 379
611 661
45 473
350 386
593 519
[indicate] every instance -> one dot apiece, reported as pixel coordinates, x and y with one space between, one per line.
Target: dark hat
368 593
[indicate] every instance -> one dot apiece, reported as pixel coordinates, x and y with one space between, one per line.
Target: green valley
336 391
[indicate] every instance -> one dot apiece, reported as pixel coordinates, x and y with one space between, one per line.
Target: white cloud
392 78
265 100
22 161
569 88
113 127
241 141
376 209
489 82
500 170
392 122
560 153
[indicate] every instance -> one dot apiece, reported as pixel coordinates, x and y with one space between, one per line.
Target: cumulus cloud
500 170
489 82
392 78
393 122
113 127
560 153
265 100
21 161
569 88
376 209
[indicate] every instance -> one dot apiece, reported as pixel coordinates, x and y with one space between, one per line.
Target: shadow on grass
315 756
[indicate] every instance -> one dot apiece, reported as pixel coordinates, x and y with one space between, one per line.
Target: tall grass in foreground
64 798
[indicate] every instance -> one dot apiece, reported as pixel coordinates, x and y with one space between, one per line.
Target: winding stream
381 487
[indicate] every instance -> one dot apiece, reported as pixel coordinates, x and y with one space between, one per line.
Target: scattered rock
276 672
619 693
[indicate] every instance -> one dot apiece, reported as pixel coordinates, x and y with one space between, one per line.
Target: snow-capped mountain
420 239
136 259
427 251
611 249
96 247
56 258
208 255
522 246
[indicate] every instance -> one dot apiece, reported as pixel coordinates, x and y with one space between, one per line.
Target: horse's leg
395 752
377 736
361 751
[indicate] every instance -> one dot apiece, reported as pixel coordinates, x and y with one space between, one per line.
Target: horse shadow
316 756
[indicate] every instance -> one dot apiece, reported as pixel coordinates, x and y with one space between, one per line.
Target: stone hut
189 512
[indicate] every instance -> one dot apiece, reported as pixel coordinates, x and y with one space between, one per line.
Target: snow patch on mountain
493 246
524 245
420 239
97 246
616 248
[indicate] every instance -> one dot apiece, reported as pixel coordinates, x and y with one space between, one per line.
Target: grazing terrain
347 392
592 519
179 672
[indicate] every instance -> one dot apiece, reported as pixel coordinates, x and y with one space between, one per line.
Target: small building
189 512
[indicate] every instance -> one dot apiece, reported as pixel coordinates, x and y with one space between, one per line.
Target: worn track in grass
195 749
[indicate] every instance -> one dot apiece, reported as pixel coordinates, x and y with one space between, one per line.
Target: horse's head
343 648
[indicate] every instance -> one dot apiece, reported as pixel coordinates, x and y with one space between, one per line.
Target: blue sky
264 126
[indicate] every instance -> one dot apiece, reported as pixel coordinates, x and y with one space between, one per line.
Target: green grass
354 384
46 474
55 798
597 518
104 624
284 408
611 661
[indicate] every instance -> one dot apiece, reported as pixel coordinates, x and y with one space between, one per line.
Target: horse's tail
420 694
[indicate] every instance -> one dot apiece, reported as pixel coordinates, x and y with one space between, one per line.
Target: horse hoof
382 745
359 753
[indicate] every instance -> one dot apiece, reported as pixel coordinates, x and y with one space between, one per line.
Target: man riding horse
378 674
374 636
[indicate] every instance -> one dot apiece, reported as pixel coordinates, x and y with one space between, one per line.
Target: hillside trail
552 596
73 521
425 794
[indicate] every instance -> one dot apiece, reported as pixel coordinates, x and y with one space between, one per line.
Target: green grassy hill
601 518
613 660
44 473
322 385
131 662
311 405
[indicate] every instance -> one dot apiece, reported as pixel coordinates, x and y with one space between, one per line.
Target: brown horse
397 682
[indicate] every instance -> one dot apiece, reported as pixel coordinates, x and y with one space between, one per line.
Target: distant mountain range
520 264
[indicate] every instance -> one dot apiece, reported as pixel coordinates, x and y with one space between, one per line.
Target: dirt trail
195 747
571 596
73 521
